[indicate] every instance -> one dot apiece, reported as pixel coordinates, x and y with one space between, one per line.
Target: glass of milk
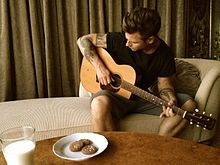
18 145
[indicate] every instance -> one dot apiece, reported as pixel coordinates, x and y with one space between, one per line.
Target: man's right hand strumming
87 45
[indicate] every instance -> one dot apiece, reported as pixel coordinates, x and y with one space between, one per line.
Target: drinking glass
18 145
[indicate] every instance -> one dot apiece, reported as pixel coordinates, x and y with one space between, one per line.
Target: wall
215 41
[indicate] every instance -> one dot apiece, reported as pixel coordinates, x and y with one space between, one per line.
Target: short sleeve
163 62
115 41
168 67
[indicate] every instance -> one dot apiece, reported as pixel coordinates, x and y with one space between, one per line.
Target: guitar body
88 73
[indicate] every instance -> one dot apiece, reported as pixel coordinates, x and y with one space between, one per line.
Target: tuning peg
191 122
210 114
197 125
204 128
196 110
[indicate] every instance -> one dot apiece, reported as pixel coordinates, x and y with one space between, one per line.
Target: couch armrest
206 88
207 98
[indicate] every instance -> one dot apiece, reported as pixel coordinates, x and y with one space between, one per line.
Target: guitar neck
149 97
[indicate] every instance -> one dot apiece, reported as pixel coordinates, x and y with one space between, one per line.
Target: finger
167 111
169 104
164 108
171 113
103 81
100 81
162 114
109 80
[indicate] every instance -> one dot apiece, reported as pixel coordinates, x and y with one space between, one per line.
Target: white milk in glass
20 153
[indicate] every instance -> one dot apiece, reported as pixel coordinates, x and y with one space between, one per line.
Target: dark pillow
186 80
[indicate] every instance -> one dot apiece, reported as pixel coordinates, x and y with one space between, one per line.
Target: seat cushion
50 116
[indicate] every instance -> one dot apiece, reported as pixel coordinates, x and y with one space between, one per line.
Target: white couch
54 117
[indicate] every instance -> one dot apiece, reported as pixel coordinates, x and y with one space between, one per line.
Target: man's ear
151 40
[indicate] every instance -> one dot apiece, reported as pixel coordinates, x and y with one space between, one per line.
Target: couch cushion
51 117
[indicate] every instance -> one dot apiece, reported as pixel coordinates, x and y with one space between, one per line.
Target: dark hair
143 20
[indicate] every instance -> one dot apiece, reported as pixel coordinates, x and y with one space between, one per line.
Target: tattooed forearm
89 49
100 40
165 91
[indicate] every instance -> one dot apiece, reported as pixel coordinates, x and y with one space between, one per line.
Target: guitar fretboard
148 96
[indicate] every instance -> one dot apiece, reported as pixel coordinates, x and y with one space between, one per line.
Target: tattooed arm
87 45
166 91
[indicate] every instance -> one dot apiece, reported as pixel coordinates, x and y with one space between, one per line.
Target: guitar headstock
199 119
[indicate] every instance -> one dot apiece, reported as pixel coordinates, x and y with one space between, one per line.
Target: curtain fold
6 72
39 56
38 48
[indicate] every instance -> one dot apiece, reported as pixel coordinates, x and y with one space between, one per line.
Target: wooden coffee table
135 148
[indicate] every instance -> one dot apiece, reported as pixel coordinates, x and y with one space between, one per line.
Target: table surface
135 148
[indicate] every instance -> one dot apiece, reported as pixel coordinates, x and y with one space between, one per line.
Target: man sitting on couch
140 47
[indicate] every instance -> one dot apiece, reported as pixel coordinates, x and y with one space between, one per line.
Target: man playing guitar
140 47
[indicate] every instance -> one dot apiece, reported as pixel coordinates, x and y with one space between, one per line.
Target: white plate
61 147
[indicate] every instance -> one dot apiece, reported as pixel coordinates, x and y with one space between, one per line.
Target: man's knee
100 105
100 101
172 126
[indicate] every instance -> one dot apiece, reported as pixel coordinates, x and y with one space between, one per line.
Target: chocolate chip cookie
76 146
89 149
86 141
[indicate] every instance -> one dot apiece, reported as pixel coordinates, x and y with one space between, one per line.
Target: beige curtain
38 52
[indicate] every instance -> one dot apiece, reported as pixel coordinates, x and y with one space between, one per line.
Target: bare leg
172 125
101 114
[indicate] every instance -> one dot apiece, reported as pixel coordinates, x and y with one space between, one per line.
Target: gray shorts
122 106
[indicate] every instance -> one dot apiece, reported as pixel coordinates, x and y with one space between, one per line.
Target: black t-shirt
148 67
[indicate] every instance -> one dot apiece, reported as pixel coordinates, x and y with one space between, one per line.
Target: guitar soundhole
116 83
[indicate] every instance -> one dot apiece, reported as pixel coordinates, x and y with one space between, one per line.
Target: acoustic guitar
124 79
